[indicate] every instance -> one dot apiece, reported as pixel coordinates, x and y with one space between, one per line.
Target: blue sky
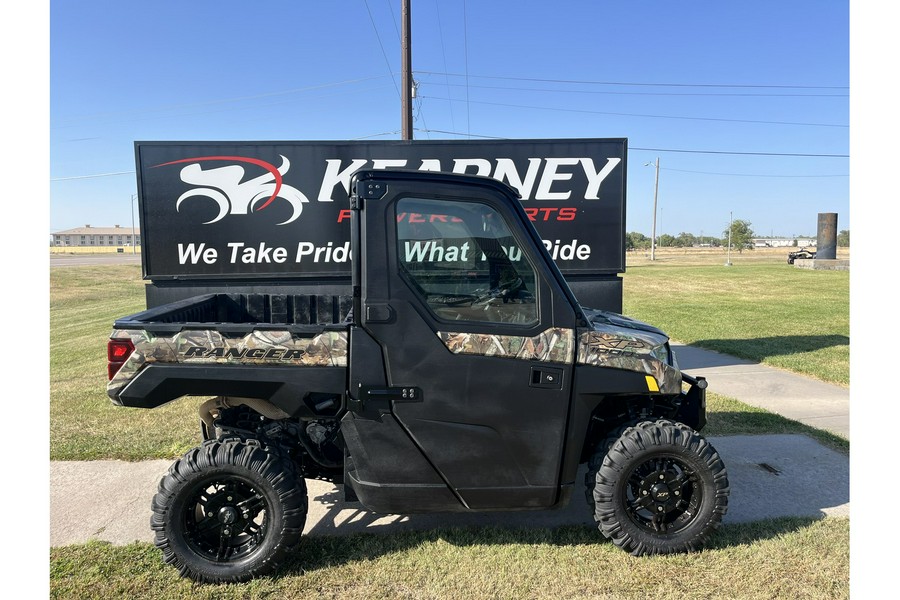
736 88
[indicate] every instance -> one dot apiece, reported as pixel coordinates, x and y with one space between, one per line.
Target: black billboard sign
247 210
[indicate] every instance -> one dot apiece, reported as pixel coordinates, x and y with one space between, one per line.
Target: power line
487 137
228 100
677 94
420 115
92 176
444 54
750 174
363 137
645 84
494 137
648 116
630 148
732 153
466 50
393 17
225 109
382 46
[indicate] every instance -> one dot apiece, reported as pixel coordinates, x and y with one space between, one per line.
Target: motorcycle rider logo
225 187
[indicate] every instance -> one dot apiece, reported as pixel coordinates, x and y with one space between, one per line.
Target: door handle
379 313
546 377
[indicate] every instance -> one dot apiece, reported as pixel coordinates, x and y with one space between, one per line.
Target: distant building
783 242
96 236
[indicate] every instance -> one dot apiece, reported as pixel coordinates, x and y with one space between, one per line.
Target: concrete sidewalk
770 476
110 500
809 401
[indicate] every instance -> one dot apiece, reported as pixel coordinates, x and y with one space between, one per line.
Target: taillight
117 352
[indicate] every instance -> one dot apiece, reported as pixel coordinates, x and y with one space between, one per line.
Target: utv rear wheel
228 511
661 488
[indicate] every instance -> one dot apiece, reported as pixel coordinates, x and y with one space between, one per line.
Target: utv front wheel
661 489
228 511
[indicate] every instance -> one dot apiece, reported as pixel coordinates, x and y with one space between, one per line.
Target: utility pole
730 224
406 82
655 197
133 237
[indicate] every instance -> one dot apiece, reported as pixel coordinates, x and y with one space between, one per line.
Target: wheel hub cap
227 515
661 492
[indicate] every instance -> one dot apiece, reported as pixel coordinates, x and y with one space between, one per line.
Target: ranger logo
244 353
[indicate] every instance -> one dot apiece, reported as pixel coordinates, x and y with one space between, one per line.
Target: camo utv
460 375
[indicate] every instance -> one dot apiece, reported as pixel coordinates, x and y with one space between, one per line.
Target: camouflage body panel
208 346
607 345
553 345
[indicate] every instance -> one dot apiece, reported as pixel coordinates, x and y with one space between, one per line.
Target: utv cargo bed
241 312
286 349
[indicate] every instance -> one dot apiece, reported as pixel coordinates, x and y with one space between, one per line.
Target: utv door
475 334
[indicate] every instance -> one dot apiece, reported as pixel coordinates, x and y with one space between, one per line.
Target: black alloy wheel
225 518
663 495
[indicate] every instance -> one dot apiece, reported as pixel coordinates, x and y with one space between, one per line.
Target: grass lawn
84 424
760 308
784 558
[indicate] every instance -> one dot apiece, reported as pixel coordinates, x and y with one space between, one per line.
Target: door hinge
369 396
371 190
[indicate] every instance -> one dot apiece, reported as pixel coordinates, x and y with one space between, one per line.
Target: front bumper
692 402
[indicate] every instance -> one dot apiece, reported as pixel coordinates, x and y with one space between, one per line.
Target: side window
464 263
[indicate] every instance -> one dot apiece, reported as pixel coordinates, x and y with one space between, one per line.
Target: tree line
741 238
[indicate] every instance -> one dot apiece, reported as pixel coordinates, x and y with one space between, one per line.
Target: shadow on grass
753 349
324 552
346 532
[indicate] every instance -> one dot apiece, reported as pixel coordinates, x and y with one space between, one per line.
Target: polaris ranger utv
460 374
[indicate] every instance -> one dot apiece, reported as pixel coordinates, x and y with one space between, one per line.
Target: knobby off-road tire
228 511
661 488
